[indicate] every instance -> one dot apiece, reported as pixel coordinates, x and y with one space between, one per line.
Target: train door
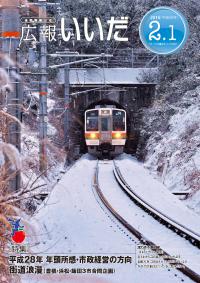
105 127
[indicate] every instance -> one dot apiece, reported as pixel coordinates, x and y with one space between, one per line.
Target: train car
105 131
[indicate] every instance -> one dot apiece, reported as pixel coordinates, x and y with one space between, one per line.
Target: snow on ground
30 161
175 154
73 222
30 149
145 186
156 194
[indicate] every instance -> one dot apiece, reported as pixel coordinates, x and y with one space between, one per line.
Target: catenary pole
67 109
43 90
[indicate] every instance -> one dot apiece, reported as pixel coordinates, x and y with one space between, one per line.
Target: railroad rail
179 228
184 269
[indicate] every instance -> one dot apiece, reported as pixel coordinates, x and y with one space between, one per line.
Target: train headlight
93 136
118 135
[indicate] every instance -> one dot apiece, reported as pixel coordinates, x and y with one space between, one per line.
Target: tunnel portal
132 99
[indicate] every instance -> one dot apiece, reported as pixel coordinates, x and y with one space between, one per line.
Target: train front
105 131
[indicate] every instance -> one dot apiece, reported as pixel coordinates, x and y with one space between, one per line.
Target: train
105 130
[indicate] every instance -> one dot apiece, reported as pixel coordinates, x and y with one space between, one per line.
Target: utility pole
43 89
10 41
43 82
67 108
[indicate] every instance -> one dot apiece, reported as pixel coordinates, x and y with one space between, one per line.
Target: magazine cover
99 141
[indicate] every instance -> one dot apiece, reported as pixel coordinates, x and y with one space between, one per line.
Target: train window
104 123
92 120
118 120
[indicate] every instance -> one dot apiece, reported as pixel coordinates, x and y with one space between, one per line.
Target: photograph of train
100 141
105 131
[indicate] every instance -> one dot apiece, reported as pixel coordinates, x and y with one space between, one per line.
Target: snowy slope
174 152
155 193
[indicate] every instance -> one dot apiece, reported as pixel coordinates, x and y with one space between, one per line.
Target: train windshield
92 120
118 120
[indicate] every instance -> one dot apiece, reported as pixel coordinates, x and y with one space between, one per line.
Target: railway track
177 227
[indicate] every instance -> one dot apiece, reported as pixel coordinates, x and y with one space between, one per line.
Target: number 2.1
158 35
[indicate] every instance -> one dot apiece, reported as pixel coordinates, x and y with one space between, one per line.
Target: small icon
18 235
164 30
